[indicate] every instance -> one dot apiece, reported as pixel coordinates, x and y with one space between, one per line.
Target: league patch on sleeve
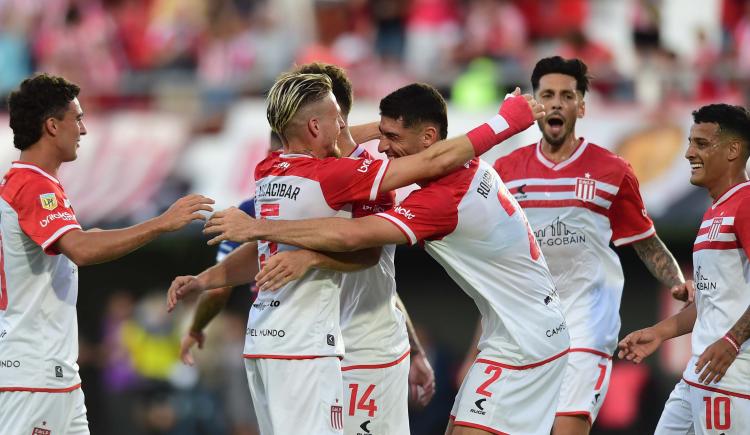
48 200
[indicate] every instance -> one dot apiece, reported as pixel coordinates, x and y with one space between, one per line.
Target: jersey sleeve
227 246
627 214
742 226
347 180
44 213
426 214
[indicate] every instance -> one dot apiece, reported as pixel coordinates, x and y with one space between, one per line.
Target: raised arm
327 234
516 114
99 246
663 266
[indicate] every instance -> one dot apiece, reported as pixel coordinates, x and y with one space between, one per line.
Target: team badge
41 431
337 416
585 189
48 200
715 230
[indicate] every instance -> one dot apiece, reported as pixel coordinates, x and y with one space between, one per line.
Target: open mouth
695 166
555 124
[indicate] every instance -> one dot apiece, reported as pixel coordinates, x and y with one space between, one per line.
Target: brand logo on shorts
479 404
585 189
331 340
58 371
48 200
363 426
337 416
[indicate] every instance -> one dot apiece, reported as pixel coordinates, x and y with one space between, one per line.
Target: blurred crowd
132 52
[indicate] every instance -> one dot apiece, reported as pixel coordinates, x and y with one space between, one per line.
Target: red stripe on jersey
723 229
262 356
717 390
42 390
576 414
377 366
594 351
267 210
524 367
554 203
716 245
558 188
478 426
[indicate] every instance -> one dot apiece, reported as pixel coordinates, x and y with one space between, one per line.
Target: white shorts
702 409
584 385
23 412
377 399
297 396
498 398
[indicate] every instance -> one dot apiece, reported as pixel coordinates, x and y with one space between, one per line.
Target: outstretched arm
716 359
639 344
662 265
99 246
516 114
327 234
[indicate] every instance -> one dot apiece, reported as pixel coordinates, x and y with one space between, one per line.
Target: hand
421 377
184 211
230 224
638 345
283 267
537 108
181 287
188 341
714 361
684 292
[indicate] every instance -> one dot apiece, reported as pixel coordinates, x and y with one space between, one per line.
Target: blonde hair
291 92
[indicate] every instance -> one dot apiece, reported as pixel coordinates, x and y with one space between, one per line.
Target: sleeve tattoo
659 261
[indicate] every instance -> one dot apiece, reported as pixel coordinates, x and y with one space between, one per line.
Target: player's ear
581 106
429 135
50 126
313 126
736 150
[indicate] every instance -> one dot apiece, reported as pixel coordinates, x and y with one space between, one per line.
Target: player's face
330 126
70 130
398 141
707 154
564 104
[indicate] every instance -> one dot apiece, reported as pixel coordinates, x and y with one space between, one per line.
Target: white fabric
584 385
24 412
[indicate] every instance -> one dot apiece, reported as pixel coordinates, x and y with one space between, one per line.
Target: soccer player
713 395
42 247
579 197
472 225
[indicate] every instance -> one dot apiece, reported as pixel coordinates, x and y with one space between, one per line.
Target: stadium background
172 91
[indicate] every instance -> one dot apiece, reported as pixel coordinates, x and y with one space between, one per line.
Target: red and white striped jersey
39 286
374 329
473 227
576 207
301 319
722 282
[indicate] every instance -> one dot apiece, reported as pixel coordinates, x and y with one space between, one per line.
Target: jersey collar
583 143
729 193
35 168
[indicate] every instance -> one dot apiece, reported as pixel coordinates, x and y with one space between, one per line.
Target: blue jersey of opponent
225 247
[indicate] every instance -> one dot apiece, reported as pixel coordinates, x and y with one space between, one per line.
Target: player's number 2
362 403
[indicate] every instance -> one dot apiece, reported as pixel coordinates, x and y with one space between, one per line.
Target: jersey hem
40 390
376 366
717 390
264 356
478 426
56 236
593 351
526 366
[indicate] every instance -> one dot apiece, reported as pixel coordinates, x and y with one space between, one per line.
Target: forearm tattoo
659 261
741 329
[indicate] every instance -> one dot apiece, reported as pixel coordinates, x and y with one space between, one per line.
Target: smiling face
396 140
69 130
564 105
708 154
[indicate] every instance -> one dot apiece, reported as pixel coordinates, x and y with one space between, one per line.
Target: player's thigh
376 400
258 394
714 412
43 413
584 387
677 416
571 425
304 394
503 400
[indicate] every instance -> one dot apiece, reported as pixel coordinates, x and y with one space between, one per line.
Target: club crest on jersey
585 189
715 230
337 416
48 200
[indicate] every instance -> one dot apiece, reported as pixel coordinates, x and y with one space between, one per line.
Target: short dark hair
342 87
556 64
732 120
416 103
37 99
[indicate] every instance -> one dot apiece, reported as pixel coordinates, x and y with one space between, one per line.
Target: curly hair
37 99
